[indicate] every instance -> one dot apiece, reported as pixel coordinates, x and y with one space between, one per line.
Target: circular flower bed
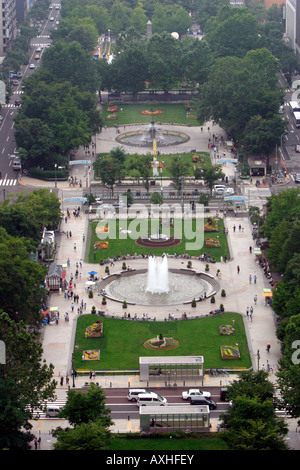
150 113
161 344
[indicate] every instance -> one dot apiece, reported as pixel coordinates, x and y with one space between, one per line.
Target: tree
223 32
110 170
156 198
142 164
14 418
178 171
21 280
25 366
87 436
130 69
85 407
251 423
164 58
211 174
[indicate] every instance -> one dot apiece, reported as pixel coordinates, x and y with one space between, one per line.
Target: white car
195 392
229 191
32 66
98 200
219 188
51 19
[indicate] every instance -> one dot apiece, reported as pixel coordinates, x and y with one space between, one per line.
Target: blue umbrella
92 273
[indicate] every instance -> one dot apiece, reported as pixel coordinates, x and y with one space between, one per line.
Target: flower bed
91 355
226 330
161 344
230 352
95 330
212 243
150 113
112 109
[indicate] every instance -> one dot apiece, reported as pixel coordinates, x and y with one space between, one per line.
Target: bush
48 174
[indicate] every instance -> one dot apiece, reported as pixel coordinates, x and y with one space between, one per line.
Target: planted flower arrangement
227 330
230 352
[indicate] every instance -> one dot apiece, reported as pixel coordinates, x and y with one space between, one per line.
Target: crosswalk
61 399
8 181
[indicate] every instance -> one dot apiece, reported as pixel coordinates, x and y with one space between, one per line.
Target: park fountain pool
147 135
159 285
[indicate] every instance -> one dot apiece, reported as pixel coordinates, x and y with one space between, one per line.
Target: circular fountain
159 285
147 135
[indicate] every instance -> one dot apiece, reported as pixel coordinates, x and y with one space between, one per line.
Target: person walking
238 269
255 299
254 278
250 279
247 312
268 348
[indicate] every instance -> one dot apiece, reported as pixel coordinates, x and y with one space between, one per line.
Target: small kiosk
173 417
171 369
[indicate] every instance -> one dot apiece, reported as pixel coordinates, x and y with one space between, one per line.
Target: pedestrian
61 381
39 442
255 299
250 249
250 279
247 311
75 246
91 374
238 269
234 228
263 367
268 348
35 443
83 237
70 234
254 279
72 307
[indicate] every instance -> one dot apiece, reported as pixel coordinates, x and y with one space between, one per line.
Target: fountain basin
145 138
184 286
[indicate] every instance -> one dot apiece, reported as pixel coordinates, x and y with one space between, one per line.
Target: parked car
32 66
297 178
194 392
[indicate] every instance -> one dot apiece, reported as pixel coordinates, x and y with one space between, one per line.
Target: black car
201 400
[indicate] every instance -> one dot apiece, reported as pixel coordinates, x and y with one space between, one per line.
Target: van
151 399
16 164
200 400
52 411
133 393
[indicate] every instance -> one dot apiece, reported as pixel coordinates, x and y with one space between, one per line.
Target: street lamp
55 167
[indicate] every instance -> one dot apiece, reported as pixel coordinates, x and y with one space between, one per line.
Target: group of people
74 181
263 263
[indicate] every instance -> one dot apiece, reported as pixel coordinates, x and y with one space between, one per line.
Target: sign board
80 162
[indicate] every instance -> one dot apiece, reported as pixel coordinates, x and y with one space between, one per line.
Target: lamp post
55 167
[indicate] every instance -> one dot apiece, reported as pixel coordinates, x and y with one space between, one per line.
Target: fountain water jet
158 275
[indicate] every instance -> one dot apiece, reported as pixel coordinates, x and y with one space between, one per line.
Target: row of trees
112 168
281 227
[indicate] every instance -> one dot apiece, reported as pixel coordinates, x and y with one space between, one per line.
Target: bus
294 107
297 118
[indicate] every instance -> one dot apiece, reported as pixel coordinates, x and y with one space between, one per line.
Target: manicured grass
124 246
132 114
122 342
202 442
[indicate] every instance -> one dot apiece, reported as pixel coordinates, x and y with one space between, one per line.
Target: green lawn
200 442
123 246
122 342
132 114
